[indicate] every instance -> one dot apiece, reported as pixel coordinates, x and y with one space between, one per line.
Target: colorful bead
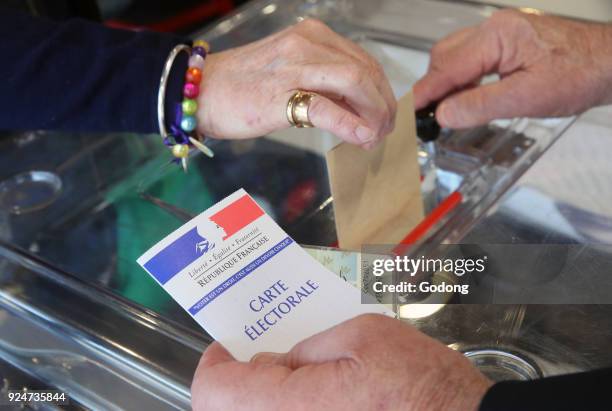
188 123
203 44
199 51
196 61
191 90
180 150
189 107
194 75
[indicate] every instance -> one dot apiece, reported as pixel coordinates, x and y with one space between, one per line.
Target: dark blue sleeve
588 391
81 76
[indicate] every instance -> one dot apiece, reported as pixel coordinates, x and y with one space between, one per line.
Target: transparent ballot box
78 313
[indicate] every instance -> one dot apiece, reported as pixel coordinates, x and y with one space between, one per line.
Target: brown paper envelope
377 193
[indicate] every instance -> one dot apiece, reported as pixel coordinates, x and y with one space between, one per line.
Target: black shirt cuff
574 392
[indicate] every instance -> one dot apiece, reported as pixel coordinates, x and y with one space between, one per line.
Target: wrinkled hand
369 363
548 67
244 91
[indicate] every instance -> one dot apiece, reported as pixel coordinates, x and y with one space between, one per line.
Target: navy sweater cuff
82 76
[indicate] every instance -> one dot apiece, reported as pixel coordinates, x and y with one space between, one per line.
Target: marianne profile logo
203 238
210 234
204 246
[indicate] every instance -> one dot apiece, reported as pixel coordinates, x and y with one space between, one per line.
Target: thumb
340 121
214 354
507 98
343 341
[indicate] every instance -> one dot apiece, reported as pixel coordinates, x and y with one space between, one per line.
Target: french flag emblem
190 246
237 215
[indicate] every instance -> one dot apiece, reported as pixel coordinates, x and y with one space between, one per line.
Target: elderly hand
548 67
245 91
369 363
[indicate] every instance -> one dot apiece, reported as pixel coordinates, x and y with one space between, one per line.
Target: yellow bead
203 44
180 150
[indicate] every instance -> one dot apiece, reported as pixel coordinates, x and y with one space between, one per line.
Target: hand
369 363
548 67
244 91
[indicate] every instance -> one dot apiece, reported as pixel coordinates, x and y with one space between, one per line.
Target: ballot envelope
78 314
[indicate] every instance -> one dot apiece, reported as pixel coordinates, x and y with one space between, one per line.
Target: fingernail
364 134
266 357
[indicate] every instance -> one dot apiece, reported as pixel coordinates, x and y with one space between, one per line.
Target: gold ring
297 109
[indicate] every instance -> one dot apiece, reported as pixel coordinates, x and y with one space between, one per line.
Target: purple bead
196 61
200 51
191 90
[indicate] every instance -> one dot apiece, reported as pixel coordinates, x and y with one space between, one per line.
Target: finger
222 383
444 46
326 71
380 78
454 68
328 37
381 82
214 354
368 145
454 39
327 115
508 98
355 87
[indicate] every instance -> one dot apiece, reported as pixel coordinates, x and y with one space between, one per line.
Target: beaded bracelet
183 135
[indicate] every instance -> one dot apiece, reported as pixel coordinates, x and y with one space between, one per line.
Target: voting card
249 284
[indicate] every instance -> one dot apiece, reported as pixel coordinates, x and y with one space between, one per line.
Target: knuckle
367 320
291 41
437 49
359 330
380 69
354 75
342 123
506 18
377 71
438 56
365 326
504 14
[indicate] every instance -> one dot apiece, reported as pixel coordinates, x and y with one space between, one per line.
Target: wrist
468 395
471 398
601 49
205 105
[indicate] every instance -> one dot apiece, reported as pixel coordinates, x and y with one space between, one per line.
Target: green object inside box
141 224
